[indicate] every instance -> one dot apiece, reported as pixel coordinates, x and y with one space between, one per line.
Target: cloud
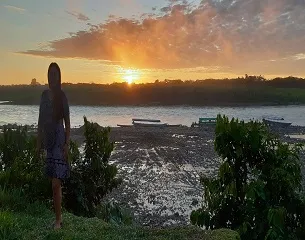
17 9
79 16
227 33
299 56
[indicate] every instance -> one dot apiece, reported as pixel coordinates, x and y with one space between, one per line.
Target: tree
34 82
92 177
257 190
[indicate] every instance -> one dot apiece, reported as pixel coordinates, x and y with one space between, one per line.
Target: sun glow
130 76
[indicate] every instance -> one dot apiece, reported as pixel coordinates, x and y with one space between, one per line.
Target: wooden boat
174 125
146 120
122 125
207 121
276 123
137 124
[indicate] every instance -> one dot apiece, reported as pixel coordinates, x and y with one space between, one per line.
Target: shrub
8 227
13 144
112 213
257 190
21 167
12 199
91 175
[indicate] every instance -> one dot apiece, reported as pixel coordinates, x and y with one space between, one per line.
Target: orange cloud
226 33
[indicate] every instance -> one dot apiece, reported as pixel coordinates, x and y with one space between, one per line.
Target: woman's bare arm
39 128
67 129
66 119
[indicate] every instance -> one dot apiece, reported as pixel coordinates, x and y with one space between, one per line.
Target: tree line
248 90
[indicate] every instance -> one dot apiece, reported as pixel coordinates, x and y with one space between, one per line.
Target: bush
91 175
257 191
12 199
21 167
112 213
8 227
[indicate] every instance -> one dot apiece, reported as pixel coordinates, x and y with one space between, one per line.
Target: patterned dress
56 165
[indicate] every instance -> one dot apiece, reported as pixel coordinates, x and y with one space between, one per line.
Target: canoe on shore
137 122
150 124
174 125
146 120
276 123
123 125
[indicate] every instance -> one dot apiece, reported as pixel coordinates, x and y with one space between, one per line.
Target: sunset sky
143 40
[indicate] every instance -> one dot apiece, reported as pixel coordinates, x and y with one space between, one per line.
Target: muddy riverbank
161 170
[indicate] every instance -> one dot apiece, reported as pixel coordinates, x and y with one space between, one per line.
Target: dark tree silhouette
248 90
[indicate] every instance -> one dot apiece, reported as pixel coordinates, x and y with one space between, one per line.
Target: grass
21 220
25 226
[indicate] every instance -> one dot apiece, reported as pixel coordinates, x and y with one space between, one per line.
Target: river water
111 116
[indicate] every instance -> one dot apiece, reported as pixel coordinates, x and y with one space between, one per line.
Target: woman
53 112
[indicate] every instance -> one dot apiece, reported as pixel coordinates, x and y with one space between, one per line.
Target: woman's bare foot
57 225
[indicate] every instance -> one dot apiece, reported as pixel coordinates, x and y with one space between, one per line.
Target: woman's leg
57 196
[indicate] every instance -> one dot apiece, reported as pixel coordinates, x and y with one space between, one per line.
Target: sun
129 79
130 76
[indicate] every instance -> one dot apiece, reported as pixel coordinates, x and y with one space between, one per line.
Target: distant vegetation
249 90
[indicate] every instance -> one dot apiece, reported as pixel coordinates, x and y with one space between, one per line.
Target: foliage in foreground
22 169
20 165
92 177
257 191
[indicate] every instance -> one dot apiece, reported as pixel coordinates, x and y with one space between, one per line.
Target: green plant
112 213
257 190
22 168
91 175
13 143
12 199
7 226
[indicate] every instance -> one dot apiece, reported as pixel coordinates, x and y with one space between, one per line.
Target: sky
139 41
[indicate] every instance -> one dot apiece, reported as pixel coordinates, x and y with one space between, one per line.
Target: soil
161 169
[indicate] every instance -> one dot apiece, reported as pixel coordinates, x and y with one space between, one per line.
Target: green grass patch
23 220
26 226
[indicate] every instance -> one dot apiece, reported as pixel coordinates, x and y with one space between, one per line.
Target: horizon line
160 81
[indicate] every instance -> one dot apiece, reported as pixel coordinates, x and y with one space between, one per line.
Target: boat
140 122
123 125
174 125
273 118
146 120
276 122
137 124
203 121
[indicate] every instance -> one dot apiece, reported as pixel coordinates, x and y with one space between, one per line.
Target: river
111 116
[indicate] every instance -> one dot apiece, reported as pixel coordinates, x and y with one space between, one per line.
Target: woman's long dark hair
58 108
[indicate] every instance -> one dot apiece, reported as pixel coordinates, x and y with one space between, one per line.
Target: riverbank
161 170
